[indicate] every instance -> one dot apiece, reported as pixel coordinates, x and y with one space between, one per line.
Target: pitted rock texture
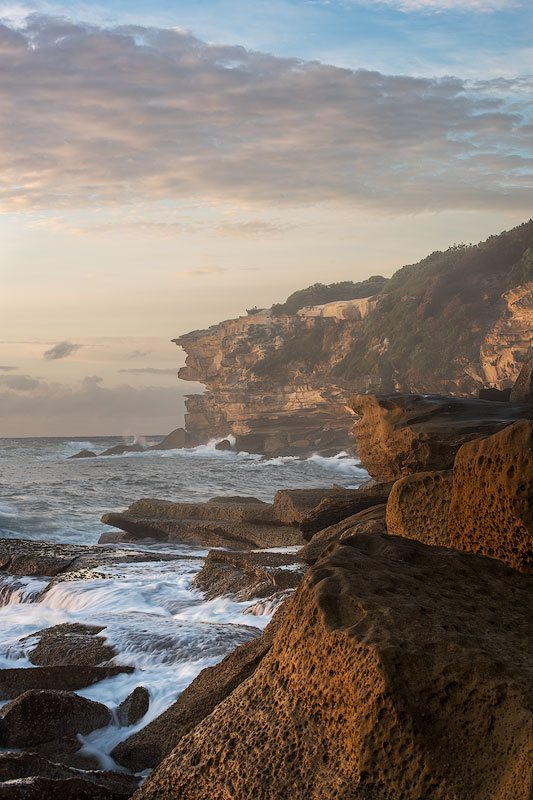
399 670
399 434
334 508
419 505
491 509
371 520
155 741
245 576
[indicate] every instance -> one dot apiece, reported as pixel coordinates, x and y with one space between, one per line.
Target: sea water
154 619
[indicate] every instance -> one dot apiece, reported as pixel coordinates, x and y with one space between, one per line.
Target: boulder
120 449
14 682
134 707
491 507
399 434
224 445
146 748
522 391
336 507
292 506
74 788
419 505
70 643
17 767
245 576
371 520
398 671
83 454
213 524
48 715
175 440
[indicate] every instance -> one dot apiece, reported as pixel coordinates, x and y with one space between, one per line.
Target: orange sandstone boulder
419 505
399 672
491 510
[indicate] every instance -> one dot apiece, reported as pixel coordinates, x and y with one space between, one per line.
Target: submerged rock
70 643
120 449
48 715
398 671
134 707
399 434
245 576
83 454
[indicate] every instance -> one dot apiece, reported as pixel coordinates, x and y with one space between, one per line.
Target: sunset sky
166 165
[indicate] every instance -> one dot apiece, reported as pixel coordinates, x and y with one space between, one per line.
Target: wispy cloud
61 350
95 116
483 6
150 371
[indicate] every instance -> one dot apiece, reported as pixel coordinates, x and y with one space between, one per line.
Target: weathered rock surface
212 524
134 707
399 671
371 520
18 767
245 576
83 454
14 682
522 391
175 440
42 716
70 643
336 507
292 506
418 507
120 449
400 434
491 507
151 744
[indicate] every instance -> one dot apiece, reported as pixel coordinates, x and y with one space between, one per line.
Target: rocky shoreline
397 665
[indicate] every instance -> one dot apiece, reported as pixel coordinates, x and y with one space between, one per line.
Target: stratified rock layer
400 671
400 434
491 509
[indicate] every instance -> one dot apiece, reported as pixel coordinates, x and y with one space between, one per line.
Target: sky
166 165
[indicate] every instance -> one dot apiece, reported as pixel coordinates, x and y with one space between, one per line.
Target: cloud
135 354
61 350
7 369
38 407
150 371
126 115
483 6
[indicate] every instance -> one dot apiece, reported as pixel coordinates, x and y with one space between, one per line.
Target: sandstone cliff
279 379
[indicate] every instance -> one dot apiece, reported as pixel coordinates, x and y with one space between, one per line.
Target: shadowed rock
36 717
245 576
75 788
398 669
83 454
522 391
371 520
134 707
14 682
70 643
336 507
175 440
399 434
120 449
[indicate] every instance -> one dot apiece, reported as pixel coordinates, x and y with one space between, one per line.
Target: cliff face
279 379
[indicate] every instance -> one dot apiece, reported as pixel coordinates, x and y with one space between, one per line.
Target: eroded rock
14 682
336 507
371 520
70 643
419 505
245 576
134 707
399 670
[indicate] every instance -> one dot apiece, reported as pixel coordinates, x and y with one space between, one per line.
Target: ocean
157 623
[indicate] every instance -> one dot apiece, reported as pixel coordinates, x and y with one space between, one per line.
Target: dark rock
371 520
15 766
224 444
70 643
245 576
399 434
419 507
495 395
292 506
120 449
134 707
176 440
522 391
83 454
398 670
149 746
339 506
36 717
39 788
69 678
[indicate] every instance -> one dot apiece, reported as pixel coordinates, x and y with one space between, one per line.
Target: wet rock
213 524
149 746
120 449
419 505
224 445
495 395
336 507
83 454
371 520
491 507
399 434
16 766
522 391
134 707
175 440
70 643
39 788
245 576
398 668
36 717
14 682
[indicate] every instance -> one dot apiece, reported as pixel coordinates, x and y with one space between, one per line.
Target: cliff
279 379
